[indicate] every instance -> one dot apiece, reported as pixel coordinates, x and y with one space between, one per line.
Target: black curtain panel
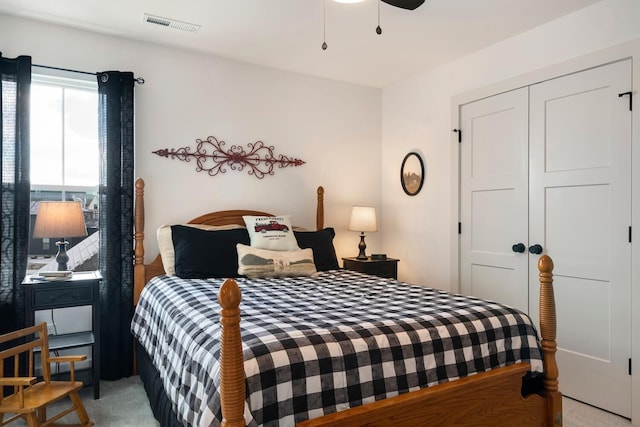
14 227
116 222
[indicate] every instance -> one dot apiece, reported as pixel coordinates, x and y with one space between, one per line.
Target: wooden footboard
486 399
490 398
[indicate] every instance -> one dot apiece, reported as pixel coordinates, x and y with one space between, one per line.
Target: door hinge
459 132
629 366
629 234
630 94
459 228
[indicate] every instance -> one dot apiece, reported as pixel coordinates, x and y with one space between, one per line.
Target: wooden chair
30 397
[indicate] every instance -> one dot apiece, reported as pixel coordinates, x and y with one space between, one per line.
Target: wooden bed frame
489 398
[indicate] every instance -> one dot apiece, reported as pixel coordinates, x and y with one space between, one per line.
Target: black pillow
201 254
321 243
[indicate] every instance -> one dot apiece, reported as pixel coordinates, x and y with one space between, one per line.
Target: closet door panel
574 136
580 211
494 209
575 233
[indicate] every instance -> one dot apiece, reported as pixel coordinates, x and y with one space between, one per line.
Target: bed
471 362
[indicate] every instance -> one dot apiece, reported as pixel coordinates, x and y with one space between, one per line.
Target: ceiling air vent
170 23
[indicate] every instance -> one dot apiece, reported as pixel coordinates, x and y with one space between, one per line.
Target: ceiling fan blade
405 4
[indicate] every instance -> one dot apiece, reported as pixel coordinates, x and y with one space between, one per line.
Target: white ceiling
288 34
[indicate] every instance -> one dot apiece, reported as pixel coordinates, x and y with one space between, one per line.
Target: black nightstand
378 267
83 288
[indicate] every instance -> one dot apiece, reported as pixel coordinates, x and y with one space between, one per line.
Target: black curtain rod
65 69
139 80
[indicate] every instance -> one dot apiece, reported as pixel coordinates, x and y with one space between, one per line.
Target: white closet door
493 198
580 213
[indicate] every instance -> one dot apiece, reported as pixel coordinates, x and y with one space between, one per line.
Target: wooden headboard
142 272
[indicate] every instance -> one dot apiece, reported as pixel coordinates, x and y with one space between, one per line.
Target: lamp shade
363 218
59 219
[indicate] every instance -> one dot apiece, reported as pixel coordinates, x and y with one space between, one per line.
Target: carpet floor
124 403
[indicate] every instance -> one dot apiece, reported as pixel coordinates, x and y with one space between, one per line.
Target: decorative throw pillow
165 242
321 242
255 262
271 232
201 254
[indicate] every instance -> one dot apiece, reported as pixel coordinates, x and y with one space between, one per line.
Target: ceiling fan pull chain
324 25
379 28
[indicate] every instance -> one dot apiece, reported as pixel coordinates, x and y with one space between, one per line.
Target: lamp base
362 246
61 257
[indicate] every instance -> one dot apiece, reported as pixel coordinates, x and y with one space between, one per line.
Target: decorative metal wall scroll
211 157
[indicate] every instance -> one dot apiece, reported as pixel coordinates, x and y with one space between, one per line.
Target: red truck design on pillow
270 226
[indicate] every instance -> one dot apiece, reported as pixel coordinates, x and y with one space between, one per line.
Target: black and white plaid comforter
316 345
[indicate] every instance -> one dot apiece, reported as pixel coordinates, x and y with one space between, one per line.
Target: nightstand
83 288
378 267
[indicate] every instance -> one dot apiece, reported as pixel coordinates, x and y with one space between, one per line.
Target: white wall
419 114
334 127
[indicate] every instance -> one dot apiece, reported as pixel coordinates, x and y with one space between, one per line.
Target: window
64 159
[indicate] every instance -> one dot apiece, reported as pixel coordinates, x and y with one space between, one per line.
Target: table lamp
60 219
363 218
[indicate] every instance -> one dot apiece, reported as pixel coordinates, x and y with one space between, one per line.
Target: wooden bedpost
549 345
231 359
139 277
320 209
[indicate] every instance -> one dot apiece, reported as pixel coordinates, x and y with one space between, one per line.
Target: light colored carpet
577 414
124 403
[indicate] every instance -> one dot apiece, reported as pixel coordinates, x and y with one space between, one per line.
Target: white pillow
165 242
255 262
271 232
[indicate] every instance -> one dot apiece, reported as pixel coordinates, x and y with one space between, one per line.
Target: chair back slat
16 372
40 329
22 333
30 363
44 354
19 349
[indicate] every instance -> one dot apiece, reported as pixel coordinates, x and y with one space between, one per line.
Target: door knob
535 249
518 247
